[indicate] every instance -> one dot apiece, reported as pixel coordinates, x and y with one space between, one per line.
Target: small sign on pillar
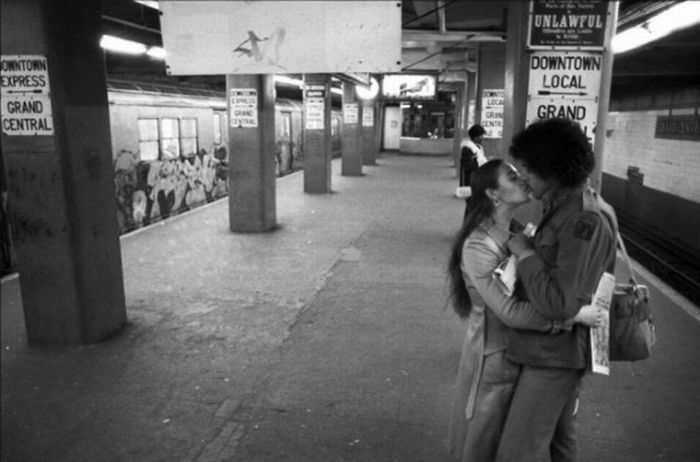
350 113
314 106
492 104
26 98
368 116
243 107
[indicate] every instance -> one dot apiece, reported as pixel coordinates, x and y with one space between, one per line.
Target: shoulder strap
626 257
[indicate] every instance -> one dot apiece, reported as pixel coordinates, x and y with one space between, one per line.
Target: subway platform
328 339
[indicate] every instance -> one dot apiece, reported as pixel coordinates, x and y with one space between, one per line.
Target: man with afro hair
558 271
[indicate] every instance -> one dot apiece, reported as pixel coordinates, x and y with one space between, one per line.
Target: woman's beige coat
485 378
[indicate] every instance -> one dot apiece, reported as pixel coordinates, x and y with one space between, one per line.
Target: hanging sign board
492 104
281 37
314 106
583 111
350 113
368 116
243 107
568 24
26 99
561 73
409 87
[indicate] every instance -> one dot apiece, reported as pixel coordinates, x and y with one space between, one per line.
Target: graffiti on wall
148 190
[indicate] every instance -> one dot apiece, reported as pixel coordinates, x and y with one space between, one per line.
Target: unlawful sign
368 116
281 37
557 73
243 104
492 104
568 24
26 99
583 111
350 113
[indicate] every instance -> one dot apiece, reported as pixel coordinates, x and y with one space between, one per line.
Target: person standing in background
472 157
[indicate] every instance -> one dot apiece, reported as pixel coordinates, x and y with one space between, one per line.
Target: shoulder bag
632 332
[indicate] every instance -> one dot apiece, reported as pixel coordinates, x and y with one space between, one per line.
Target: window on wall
217 129
335 126
148 139
287 125
188 137
170 138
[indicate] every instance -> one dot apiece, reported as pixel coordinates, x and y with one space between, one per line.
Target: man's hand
590 315
519 245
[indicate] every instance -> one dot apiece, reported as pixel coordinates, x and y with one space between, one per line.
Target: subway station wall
649 178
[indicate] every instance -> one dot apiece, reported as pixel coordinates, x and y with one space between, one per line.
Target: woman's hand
590 315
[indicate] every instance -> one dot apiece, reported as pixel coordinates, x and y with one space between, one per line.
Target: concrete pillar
369 123
460 113
317 133
252 188
61 181
604 99
351 136
492 59
378 128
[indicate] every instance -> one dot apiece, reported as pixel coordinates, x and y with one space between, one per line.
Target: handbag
632 331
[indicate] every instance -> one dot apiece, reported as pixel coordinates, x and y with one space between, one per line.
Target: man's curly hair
555 148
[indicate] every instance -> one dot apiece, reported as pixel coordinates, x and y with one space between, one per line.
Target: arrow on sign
23 91
573 93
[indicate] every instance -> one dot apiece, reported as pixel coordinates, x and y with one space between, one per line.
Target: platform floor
326 340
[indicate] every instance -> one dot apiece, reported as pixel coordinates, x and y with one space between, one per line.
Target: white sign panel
583 111
368 116
281 37
243 105
350 113
492 104
314 112
26 99
557 73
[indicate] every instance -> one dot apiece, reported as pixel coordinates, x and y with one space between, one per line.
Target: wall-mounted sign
314 106
408 87
562 73
678 127
243 107
583 111
26 99
350 113
368 116
568 24
492 104
281 37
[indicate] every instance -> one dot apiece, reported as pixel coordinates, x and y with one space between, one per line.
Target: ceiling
444 34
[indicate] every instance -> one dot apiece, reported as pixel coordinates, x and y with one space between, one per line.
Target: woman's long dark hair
480 208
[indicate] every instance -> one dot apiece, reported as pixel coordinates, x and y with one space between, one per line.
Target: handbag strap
626 257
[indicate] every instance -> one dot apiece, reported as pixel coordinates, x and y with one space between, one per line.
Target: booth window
188 137
217 129
148 139
170 138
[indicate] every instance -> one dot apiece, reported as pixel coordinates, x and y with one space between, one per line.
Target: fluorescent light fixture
156 52
118 45
337 91
368 93
149 3
289 81
677 17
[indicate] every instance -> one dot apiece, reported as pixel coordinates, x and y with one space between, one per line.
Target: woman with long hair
486 379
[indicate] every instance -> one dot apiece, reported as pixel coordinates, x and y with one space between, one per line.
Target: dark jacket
574 244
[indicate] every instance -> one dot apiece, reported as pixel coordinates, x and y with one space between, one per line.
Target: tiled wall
671 166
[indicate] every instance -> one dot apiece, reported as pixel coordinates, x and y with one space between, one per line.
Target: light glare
668 21
118 45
